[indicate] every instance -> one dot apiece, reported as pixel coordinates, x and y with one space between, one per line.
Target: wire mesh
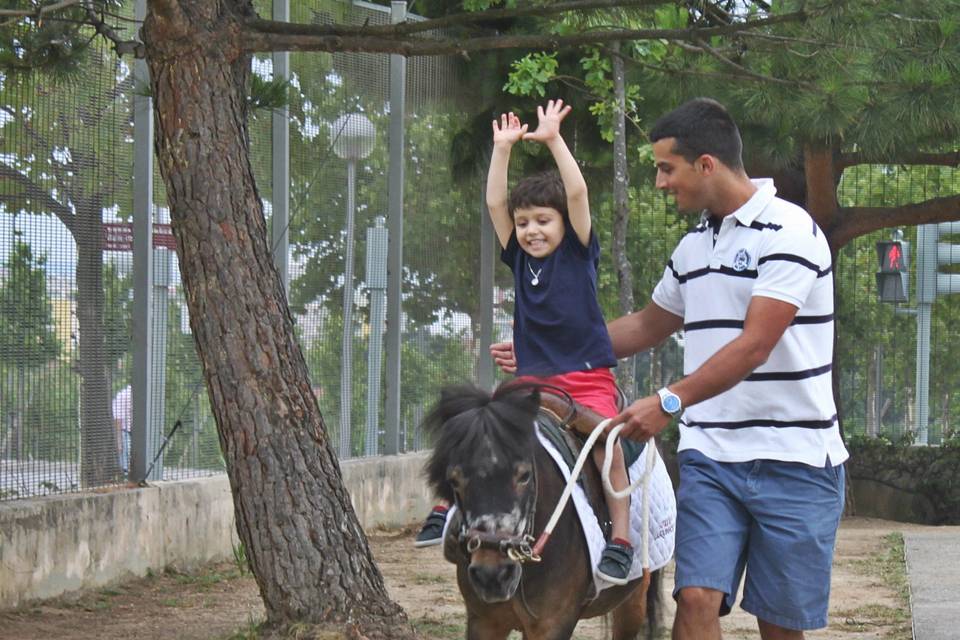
66 271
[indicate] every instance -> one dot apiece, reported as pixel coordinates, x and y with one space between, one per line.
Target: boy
559 333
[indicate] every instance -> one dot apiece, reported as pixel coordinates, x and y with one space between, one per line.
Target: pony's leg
630 615
487 627
551 629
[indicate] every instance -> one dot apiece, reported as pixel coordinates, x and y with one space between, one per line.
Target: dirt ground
868 598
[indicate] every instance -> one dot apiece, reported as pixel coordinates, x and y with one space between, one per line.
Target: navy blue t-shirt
557 323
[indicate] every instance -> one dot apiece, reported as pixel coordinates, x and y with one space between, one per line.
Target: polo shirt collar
752 208
765 192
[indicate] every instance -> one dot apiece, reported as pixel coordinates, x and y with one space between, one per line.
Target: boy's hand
550 119
503 356
508 131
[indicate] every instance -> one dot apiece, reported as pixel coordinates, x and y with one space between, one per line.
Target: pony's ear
532 401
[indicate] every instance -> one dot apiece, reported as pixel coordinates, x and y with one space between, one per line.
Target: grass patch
429 578
206 579
439 628
250 631
890 567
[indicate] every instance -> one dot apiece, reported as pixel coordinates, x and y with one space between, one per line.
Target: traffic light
893 278
933 253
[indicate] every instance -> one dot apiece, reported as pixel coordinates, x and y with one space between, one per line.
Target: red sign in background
118 236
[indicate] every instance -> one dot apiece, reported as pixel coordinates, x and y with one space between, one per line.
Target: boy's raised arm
506 133
548 132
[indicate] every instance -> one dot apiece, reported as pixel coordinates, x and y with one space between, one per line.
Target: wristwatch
670 402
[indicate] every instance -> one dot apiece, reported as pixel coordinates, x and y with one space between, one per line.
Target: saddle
566 426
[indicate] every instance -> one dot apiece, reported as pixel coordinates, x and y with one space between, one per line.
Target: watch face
670 403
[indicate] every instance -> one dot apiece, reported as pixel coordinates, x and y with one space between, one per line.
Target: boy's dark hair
539 190
701 126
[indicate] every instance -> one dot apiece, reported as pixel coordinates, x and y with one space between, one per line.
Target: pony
488 461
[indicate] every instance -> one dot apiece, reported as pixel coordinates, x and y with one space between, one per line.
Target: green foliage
933 472
28 336
52 43
531 73
240 558
268 94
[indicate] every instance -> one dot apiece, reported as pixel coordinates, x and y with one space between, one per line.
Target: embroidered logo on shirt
741 261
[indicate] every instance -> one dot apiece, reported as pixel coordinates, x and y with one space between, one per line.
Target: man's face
678 177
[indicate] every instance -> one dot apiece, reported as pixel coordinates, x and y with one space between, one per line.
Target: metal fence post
280 149
484 362
398 79
142 447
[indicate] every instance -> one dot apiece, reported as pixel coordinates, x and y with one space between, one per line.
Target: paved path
933 568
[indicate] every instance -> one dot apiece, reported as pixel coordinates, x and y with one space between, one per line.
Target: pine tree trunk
99 463
626 372
307 550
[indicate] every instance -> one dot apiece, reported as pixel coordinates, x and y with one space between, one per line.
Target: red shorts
593 388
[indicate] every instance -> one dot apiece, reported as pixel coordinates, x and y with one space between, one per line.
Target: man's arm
641 330
767 319
629 334
506 133
548 132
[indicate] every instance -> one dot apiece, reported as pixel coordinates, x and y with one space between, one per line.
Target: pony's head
483 462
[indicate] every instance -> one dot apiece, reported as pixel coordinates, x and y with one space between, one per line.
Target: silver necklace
535 280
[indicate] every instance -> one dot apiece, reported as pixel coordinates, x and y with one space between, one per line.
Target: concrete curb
933 571
54 545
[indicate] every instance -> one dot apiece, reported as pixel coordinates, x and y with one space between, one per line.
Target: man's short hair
539 190
701 126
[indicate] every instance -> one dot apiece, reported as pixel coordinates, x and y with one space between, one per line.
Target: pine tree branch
35 193
120 45
293 38
39 12
740 70
947 159
858 221
446 22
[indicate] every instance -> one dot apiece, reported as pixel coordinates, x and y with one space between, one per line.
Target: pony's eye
524 478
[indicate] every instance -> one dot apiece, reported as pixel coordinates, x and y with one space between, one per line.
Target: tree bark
821 180
626 372
307 550
99 463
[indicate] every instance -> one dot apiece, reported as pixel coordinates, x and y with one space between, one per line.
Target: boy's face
680 178
539 230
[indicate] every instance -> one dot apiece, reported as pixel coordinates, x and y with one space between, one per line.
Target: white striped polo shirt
784 409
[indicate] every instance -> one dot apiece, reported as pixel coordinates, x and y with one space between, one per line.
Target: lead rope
605 474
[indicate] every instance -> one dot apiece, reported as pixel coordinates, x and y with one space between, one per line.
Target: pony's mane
467 418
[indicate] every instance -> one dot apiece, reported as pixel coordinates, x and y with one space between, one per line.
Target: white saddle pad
662 523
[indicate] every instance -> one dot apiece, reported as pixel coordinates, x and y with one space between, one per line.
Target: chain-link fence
67 275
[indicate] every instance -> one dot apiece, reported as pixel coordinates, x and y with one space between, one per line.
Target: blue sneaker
432 531
615 562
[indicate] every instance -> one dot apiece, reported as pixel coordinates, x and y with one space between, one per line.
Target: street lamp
353 138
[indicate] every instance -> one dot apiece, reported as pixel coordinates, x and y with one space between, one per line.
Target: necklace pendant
535 281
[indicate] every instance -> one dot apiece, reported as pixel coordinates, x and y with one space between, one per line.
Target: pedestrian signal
893 277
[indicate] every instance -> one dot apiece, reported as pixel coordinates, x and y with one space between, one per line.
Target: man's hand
508 131
503 357
643 419
550 119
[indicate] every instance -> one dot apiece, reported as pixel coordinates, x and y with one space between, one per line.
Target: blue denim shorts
778 520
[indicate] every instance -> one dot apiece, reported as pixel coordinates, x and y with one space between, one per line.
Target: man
761 486
122 422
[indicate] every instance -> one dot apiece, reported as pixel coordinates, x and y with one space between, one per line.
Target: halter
517 548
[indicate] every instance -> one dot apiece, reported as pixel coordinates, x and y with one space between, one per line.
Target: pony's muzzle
493 577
